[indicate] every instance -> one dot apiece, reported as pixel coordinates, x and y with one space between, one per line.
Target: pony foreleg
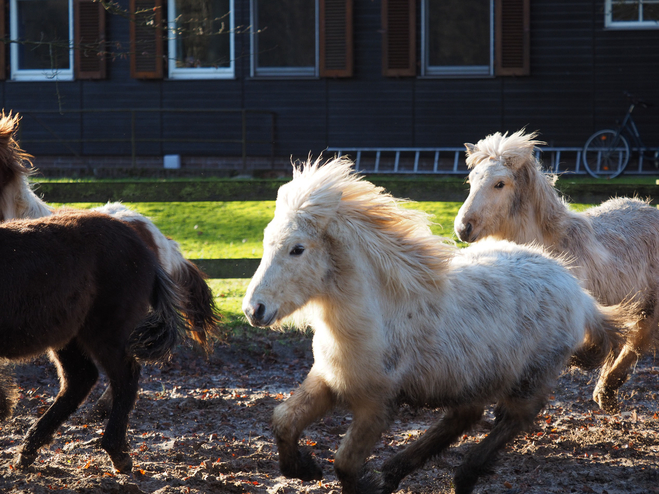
436 439
368 423
77 375
309 403
8 393
613 376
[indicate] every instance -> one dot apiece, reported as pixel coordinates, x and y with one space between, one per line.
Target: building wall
579 71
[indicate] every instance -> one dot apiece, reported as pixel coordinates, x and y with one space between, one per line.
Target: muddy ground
201 425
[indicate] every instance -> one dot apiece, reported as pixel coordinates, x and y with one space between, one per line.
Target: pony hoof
370 483
122 463
24 460
367 482
607 400
304 468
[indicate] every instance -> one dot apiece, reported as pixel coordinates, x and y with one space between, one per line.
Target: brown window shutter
146 39
399 38
89 38
336 38
3 47
513 37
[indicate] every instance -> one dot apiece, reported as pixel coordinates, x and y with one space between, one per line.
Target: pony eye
297 250
499 185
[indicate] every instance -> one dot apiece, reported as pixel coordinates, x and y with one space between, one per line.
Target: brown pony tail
162 329
199 304
605 335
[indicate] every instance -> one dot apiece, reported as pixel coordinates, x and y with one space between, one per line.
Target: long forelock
504 148
398 239
316 189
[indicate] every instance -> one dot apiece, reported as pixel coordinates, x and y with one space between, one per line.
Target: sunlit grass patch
209 230
229 296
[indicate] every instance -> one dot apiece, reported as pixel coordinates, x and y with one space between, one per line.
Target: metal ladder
552 159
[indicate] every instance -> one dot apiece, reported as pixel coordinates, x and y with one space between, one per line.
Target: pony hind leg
613 376
77 374
437 438
513 415
124 374
102 407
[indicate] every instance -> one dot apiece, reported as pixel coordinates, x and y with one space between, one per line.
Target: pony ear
471 148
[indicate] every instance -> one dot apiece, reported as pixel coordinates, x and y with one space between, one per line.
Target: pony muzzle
257 315
464 232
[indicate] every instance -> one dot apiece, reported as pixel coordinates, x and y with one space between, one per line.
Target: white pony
18 201
612 248
400 315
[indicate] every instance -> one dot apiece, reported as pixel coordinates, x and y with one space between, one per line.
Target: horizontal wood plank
227 268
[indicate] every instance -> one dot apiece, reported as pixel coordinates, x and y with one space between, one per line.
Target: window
457 37
631 14
200 39
284 38
42 35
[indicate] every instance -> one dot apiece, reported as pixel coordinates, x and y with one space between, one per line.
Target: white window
42 40
284 38
631 14
201 39
457 38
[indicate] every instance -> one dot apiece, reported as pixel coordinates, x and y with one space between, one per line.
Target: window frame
282 72
609 23
455 71
38 75
179 73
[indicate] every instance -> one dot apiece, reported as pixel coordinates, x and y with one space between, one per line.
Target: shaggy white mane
397 239
504 148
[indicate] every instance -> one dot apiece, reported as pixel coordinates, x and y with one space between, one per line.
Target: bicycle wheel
606 154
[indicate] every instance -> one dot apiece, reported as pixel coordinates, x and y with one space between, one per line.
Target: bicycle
606 152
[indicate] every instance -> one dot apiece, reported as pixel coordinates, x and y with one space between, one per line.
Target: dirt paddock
201 425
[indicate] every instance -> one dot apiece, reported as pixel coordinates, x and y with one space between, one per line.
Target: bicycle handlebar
637 101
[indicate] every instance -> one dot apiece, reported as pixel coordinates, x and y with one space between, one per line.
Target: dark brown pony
84 288
17 200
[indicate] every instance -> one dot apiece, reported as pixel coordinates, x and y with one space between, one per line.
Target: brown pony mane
12 156
397 239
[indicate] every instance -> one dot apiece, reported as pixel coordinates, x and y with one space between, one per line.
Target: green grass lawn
215 230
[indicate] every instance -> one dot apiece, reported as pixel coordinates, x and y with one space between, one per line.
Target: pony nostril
464 231
259 312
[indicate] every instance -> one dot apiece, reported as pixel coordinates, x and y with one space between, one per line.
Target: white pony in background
401 316
612 248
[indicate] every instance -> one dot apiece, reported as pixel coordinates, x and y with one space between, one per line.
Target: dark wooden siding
3 46
578 72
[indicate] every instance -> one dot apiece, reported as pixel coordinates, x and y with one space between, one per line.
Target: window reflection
202 30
